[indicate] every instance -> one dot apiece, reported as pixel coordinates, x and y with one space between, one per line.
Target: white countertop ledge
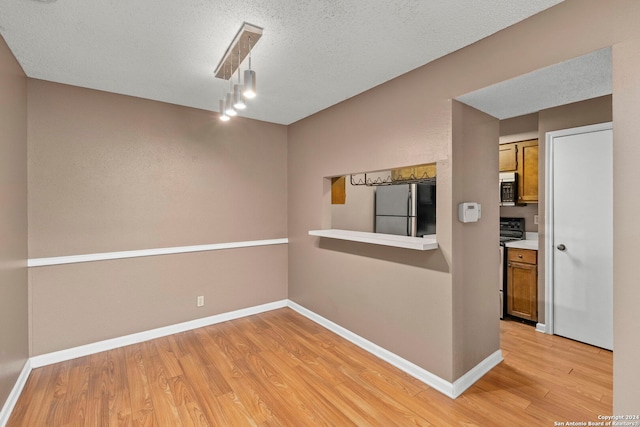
425 243
523 244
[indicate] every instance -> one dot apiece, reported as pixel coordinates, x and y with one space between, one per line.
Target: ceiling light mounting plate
242 43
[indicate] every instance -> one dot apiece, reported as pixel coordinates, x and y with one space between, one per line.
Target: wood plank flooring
281 369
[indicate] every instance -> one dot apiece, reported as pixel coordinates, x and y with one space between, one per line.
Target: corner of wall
13 222
476 333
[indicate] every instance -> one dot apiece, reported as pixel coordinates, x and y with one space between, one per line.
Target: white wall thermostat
469 212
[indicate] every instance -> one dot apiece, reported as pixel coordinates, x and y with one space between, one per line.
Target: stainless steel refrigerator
406 209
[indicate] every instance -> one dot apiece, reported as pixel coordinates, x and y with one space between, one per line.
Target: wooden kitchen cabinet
508 159
522 283
414 172
528 171
522 157
338 190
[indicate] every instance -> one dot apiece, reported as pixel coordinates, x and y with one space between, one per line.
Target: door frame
548 215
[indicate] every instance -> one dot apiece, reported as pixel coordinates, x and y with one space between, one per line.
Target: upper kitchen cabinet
528 171
338 190
522 157
508 157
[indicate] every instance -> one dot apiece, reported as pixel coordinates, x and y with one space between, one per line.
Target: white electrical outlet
535 219
200 301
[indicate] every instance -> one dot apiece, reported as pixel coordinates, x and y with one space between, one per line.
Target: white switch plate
200 301
535 219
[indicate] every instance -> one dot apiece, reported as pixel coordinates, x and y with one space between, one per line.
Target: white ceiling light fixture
249 78
239 49
231 112
238 95
223 107
223 111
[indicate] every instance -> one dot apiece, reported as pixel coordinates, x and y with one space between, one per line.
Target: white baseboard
12 399
447 388
85 350
541 327
477 372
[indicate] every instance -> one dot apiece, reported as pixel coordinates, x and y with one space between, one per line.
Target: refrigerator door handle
412 210
409 207
410 196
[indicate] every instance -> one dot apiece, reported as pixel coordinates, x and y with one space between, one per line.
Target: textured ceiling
581 78
313 54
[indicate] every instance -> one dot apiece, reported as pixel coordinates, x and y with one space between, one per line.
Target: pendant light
233 100
238 96
231 112
223 111
228 101
223 108
249 78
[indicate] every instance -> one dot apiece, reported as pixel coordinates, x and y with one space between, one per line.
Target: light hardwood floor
281 369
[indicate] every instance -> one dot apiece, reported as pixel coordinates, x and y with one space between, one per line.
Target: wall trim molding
541 327
452 390
72 259
12 399
110 344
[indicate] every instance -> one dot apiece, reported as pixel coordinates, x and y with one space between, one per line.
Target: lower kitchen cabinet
522 283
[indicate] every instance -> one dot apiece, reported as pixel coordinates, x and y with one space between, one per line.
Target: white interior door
582 234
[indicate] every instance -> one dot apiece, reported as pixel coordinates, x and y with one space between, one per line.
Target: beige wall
391 296
519 128
476 302
626 234
13 221
77 304
115 173
398 299
110 173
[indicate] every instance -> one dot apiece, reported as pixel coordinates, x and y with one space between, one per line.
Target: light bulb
230 110
223 112
238 98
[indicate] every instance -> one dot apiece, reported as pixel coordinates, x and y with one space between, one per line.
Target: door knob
561 247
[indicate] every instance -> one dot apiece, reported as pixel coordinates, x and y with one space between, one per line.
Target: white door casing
579 216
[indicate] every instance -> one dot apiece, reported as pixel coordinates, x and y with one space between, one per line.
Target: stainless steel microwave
508 188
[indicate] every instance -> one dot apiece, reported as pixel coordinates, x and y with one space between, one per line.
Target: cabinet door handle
519 255
561 247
